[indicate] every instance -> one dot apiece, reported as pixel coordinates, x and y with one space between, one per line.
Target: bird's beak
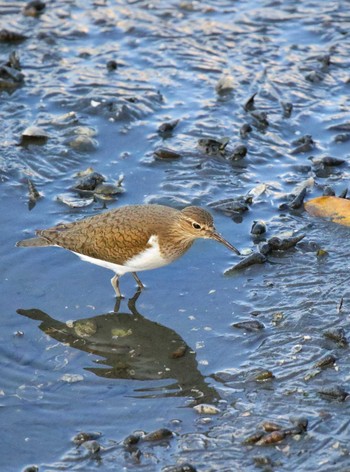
220 239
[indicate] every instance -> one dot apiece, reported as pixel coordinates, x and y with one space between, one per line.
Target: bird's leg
115 285
138 281
117 305
132 302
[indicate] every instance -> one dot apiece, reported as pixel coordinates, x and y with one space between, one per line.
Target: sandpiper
132 238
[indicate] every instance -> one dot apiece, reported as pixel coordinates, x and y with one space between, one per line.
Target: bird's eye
196 226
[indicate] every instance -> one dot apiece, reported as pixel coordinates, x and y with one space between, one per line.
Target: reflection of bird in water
132 238
132 347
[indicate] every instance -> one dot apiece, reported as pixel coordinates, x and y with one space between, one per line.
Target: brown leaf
335 208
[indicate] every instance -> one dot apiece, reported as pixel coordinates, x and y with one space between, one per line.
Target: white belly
151 258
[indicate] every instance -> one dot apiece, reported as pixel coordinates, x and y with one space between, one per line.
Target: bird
131 238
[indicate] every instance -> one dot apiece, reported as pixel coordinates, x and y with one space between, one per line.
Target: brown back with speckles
113 236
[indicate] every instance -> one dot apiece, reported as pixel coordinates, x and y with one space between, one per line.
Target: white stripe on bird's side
150 258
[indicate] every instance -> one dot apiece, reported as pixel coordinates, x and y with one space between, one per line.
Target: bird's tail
33 242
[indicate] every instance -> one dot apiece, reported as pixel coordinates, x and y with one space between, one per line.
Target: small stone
314 76
337 335
326 361
263 461
131 440
82 143
300 423
34 8
342 138
166 154
328 161
271 438
277 317
341 126
254 438
270 426
92 446
224 85
72 378
334 393
245 130
112 65
158 435
89 181
260 118
74 202
287 109
263 376
206 409
31 468
258 228
253 325
168 127
179 468
239 152
7 36
81 437
34 135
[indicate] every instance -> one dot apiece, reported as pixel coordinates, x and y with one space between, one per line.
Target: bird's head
196 223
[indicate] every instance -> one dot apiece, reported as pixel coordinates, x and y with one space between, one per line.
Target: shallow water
117 373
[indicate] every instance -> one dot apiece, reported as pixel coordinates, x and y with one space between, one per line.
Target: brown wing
113 236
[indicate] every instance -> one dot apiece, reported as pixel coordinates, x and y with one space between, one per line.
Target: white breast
151 258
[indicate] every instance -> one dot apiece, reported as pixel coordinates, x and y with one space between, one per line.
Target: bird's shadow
129 346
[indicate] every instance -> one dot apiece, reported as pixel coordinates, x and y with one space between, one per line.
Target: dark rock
34 8
251 325
112 65
245 130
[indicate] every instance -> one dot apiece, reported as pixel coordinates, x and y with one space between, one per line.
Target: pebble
72 378
334 393
158 435
82 437
179 468
253 325
206 409
112 65
92 446
258 227
166 154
